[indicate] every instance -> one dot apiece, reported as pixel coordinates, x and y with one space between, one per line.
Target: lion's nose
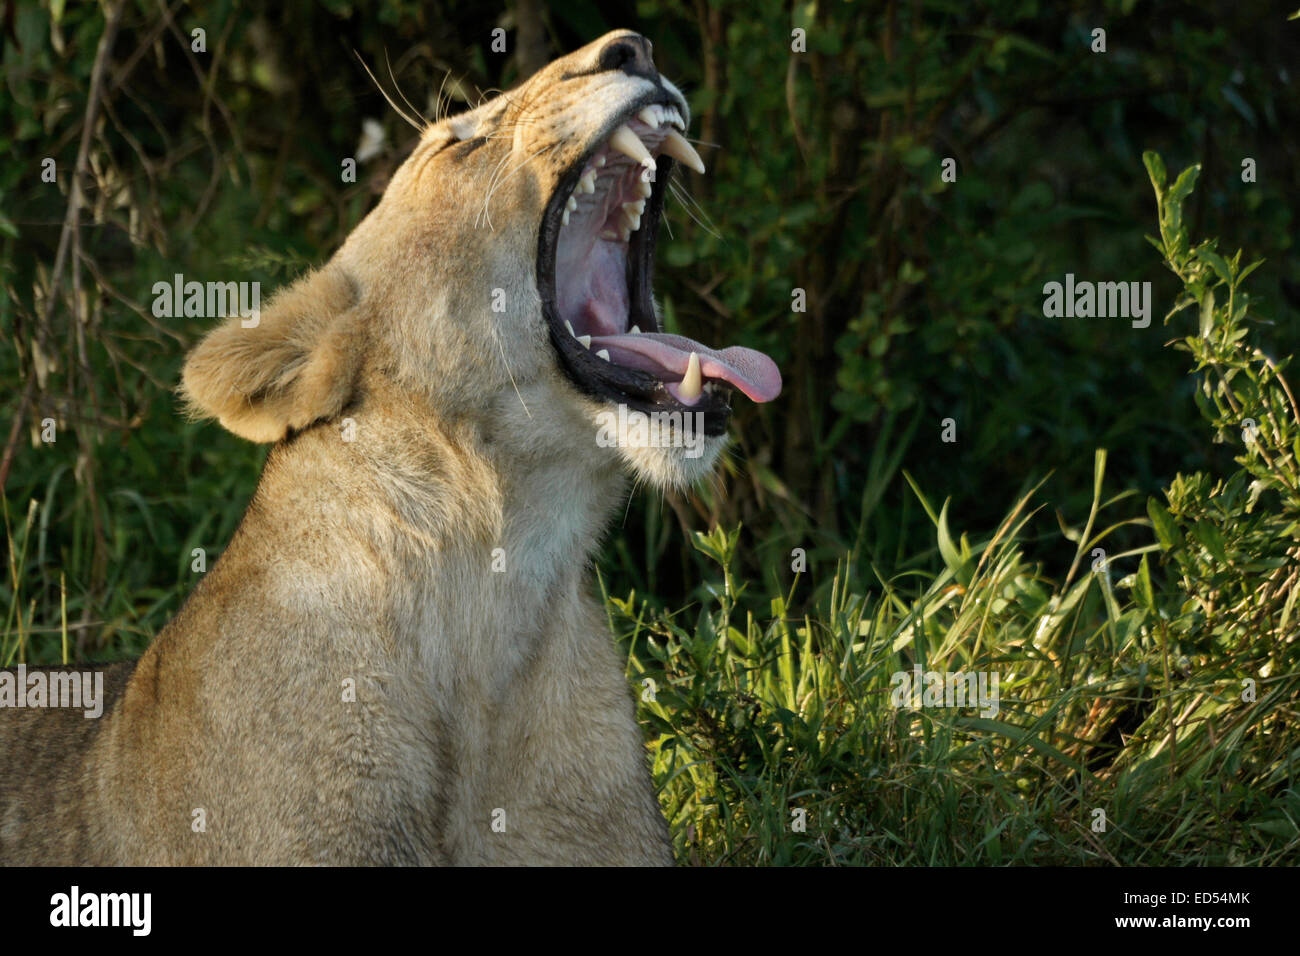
631 53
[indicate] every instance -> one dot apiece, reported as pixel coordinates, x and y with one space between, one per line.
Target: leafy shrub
1143 720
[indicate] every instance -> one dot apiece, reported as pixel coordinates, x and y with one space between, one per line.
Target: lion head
506 272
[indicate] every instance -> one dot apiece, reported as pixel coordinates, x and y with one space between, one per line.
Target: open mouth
594 268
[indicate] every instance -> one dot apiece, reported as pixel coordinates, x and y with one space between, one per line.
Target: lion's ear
297 365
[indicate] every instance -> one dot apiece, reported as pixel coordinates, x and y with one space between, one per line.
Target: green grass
766 702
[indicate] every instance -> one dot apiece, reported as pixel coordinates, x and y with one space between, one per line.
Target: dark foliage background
924 298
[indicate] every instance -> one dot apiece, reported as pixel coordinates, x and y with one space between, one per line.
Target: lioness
398 660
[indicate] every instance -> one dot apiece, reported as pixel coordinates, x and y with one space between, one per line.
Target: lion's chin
672 468
664 450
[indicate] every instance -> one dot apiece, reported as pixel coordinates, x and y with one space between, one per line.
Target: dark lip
592 375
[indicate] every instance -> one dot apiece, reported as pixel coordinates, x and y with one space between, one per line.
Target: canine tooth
676 146
604 353
629 144
569 325
692 383
635 330
564 217
586 341
571 205
649 116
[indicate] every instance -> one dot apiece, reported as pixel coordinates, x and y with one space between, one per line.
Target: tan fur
296 366
480 688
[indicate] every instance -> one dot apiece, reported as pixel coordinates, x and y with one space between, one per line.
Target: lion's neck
443 530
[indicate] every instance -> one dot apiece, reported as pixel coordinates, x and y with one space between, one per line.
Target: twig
71 224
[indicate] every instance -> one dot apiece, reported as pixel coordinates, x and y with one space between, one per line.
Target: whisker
692 201
397 109
493 184
488 192
397 86
636 484
684 195
685 204
495 338
438 112
501 182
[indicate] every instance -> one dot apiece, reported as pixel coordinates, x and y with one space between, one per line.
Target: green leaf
1216 262
1142 589
1212 539
1022 736
1207 315
1162 521
1184 184
1156 170
958 562
1248 270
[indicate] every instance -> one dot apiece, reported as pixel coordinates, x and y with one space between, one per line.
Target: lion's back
43 754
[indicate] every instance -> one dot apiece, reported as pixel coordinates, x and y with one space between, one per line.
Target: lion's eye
468 146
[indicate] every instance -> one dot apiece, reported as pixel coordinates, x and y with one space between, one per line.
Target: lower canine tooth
675 145
692 382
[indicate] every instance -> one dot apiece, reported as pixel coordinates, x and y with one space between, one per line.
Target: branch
71 225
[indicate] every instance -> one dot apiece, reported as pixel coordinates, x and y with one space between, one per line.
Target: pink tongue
666 356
